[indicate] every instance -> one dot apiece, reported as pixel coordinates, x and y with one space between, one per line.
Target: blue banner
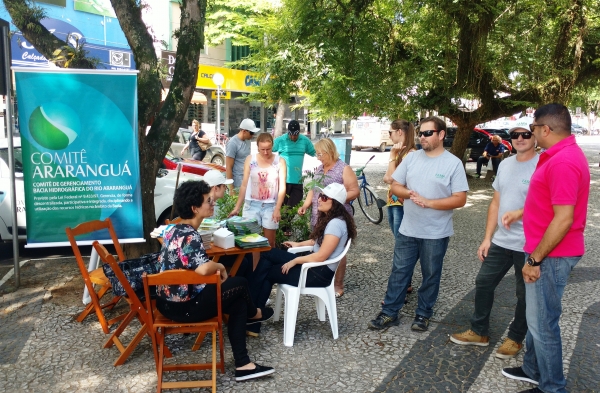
80 151
25 55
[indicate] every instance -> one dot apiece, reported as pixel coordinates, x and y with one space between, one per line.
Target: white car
163 192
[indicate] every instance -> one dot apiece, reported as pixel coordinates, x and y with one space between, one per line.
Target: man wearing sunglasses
503 249
238 148
554 218
432 183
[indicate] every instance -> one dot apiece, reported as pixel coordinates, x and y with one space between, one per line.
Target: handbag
133 270
204 146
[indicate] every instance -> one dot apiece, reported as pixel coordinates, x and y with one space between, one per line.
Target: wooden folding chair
95 276
137 309
159 326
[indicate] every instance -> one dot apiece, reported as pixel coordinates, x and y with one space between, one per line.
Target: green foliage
236 20
225 206
74 56
298 225
393 58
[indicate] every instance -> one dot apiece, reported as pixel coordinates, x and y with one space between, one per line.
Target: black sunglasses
323 197
525 135
427 133
532 126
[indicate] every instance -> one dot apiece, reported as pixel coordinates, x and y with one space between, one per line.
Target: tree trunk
279 119
154 145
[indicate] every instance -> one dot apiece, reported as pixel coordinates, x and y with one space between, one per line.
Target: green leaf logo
54 125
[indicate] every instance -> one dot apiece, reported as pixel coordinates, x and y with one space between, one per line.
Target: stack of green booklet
251 241
243 226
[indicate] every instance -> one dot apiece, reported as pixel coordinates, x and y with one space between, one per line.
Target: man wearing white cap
217 184
503 249
238 148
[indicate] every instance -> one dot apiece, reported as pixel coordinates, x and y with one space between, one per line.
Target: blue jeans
395 215
543 360
406 253
498 262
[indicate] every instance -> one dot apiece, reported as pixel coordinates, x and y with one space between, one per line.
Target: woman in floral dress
183 249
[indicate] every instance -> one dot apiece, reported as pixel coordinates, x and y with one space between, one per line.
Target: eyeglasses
319 155
391 131
525 135
324 198
427 133
532 126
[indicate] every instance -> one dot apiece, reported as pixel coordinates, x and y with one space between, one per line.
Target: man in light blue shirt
432 183
292 147
238 148
502 249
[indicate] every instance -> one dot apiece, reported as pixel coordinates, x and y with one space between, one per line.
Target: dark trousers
245 269
235 301
493 269
293 196
484 160
268 272
199 155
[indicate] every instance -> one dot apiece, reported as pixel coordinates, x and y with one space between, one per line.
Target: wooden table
216 252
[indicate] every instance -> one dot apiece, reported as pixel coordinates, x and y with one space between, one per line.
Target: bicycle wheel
368 204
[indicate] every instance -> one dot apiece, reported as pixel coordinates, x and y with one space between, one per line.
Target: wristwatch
532 262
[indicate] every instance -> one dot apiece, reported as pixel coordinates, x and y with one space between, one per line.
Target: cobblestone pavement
42 348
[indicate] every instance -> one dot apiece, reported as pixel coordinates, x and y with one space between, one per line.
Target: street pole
11 156
218 114
218 80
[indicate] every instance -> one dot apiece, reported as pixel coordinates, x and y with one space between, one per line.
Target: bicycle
368 201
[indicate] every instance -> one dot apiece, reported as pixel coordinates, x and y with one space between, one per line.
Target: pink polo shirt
562 177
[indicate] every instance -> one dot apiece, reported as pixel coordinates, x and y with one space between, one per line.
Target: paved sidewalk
42 348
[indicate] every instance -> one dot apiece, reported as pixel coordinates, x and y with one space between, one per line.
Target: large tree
165 117
471 60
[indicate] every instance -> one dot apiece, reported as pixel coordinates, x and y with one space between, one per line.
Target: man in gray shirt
238 148
505 249
432 183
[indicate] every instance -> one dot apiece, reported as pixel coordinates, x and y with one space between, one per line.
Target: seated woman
183 249
329 237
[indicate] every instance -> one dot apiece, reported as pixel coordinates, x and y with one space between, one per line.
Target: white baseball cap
334 191
216 178
248 124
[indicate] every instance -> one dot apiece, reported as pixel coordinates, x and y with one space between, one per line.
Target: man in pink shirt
553 220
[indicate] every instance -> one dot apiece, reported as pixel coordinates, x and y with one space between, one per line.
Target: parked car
576 129
214 154
189 165
163 192
477 141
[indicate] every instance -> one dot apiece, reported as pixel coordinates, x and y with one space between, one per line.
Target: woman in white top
263 188
335 226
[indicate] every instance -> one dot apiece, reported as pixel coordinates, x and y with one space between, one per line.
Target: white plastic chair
324 297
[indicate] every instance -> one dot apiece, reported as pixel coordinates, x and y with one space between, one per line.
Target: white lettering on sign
32 56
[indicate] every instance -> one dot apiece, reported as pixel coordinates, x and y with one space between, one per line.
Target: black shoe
420 323
518 374
533 390
257 372
267 313
383 321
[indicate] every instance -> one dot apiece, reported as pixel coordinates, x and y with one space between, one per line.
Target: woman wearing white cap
329 237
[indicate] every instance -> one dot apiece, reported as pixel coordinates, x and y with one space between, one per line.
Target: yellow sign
225 95
235 80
